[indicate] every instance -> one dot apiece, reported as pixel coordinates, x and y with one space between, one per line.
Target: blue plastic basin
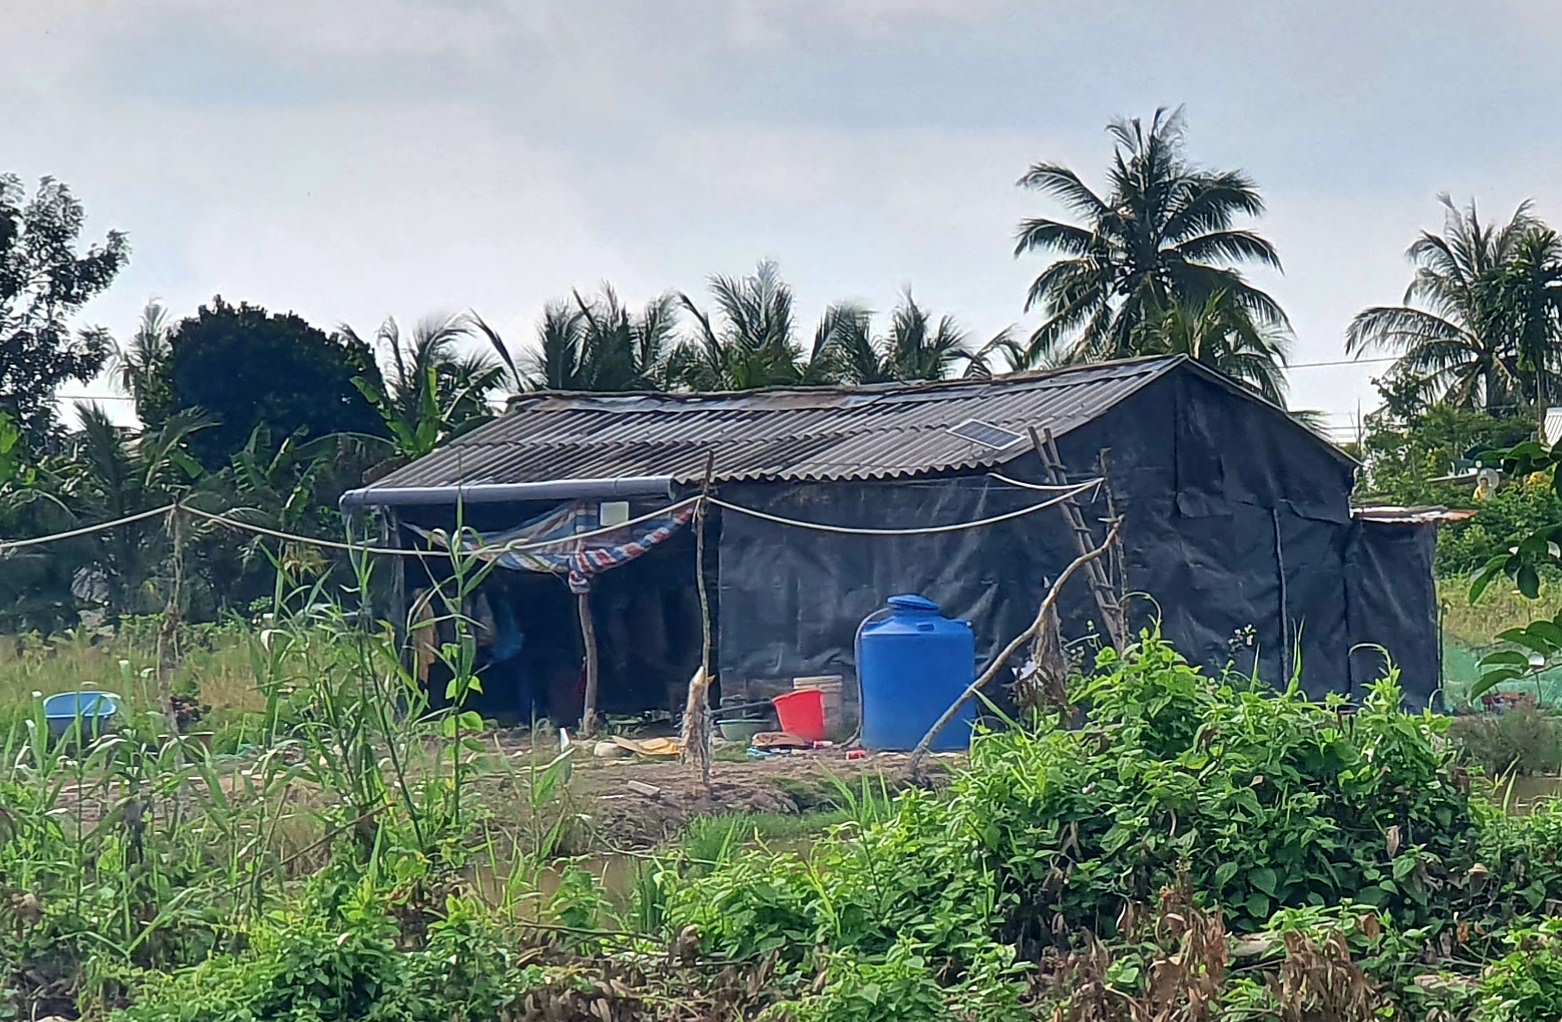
93 710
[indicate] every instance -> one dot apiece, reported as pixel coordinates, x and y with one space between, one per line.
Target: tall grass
1500 607
213 667
141 852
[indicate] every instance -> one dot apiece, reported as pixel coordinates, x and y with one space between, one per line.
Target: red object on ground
857 754
802 713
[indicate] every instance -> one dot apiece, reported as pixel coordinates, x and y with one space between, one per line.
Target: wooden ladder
1100 584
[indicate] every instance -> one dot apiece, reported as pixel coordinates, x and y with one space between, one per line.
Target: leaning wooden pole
696 711
1047 604
588 638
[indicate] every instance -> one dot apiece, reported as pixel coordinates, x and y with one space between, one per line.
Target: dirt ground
624 804
669 794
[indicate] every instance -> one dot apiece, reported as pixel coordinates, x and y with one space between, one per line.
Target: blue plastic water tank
912 663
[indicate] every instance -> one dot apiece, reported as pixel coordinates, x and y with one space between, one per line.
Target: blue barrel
912 664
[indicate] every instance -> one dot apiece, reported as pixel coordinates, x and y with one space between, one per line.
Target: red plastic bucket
802 713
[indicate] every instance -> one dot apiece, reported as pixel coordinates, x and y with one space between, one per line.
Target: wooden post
397 611
588 637
168 632
1116 568
696 711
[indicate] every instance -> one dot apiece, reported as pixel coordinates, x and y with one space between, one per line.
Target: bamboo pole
1013 647
588 638
390 538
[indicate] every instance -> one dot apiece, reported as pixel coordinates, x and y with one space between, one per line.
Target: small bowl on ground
742 731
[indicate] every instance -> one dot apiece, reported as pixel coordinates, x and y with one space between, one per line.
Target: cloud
765 23
365 157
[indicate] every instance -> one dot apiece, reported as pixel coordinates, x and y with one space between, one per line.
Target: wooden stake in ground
1020 640
588 638
168 632
696 710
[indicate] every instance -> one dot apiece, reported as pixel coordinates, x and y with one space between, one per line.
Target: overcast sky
354 159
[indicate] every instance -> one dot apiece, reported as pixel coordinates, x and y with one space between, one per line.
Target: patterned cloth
576 559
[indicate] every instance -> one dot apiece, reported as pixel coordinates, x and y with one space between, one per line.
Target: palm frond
1042 235
1231 247
1064 185
1164 231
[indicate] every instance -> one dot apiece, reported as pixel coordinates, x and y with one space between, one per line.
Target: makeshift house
1238 534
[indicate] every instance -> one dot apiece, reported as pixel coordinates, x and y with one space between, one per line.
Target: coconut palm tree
1221 334
1530 295
435 356
915 347
752 341
598 344
1478 325
1164 232
138 366
628 351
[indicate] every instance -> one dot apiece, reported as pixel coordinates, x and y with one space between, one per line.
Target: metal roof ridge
871 389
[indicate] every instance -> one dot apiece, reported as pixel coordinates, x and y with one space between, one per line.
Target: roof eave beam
505 493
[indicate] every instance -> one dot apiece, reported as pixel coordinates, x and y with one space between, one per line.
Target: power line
1341 362
86 530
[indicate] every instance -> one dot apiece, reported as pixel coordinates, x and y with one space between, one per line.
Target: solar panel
986 434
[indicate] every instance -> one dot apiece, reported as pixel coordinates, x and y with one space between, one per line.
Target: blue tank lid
912 602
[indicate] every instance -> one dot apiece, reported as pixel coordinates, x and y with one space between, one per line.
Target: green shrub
1514 511
900 987
1526 985
308 965
1260 801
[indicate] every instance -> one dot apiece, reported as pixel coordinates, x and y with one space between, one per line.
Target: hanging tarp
569 541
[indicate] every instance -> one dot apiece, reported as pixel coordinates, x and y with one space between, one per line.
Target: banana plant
434 390
436 418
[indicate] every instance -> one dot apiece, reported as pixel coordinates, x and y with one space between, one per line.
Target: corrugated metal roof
821 433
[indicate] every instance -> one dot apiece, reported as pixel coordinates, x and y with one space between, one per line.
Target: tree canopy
751 342
915 347
246 367
436 387
44 281
600 344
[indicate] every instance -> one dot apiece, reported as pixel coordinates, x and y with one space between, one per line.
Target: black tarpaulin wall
792 598
1393 604
1236 519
